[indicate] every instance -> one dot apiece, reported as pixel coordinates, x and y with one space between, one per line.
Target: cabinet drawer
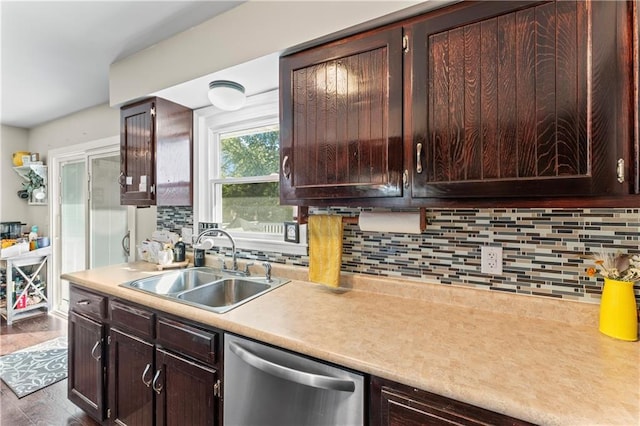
138 321
188 340
87 303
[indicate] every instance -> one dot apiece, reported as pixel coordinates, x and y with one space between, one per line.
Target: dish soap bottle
179 251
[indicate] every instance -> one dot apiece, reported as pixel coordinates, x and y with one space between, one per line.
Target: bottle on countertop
198 257
179 251
33 238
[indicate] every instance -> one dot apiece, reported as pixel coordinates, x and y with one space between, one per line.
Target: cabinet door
131 372
341 119
185 392
86 365
400 405
137 154
513 99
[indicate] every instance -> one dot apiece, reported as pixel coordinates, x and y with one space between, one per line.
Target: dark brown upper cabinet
341 119
522 99
156 146
501 103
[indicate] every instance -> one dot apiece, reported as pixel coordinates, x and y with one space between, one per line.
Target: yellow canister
618 310
17 157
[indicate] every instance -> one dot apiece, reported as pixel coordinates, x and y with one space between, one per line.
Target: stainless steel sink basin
225 294
205 288
176 281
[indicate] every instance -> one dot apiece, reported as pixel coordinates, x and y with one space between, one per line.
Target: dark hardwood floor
48 406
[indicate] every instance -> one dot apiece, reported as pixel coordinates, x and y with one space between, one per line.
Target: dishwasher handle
290 374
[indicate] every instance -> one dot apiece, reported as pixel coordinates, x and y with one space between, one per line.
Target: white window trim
208 123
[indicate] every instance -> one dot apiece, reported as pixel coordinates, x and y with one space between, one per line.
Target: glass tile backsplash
543 249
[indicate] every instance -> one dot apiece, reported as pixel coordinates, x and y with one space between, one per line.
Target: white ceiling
56 54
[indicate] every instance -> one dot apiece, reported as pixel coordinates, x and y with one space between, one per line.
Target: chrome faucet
215 231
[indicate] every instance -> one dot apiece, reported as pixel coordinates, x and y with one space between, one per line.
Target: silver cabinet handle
418 155
286 373
83 302
93 351
126 242
285 167
147 383
121 179
156 385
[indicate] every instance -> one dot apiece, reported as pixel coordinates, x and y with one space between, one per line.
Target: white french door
89 224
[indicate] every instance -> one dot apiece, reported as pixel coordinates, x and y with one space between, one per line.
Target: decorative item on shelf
35 183
227 95
18 157
618 308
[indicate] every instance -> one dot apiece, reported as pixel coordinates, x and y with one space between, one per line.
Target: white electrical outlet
491 260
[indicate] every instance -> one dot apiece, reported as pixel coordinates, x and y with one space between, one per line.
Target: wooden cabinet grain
503 103
520 98
156 145
400 405
341 119
152 377
87 343
130 365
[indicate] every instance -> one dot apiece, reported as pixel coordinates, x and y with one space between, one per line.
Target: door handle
147 383
156 385
286 170
301 377
126 246
93 351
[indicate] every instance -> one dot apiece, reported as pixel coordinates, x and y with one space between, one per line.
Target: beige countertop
535 359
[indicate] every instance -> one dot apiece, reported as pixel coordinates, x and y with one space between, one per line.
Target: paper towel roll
400 222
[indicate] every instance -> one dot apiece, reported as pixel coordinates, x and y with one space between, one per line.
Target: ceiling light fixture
227 95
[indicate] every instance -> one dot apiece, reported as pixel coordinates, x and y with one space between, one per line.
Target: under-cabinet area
425 351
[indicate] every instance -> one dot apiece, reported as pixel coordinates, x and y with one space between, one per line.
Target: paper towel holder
303 217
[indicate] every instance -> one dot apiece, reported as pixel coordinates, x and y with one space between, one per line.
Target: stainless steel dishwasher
269 386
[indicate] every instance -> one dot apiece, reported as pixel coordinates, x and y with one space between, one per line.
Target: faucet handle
246 268
267 271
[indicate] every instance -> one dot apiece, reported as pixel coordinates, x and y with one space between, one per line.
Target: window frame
209 123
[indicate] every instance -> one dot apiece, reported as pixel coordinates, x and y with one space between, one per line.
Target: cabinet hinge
153 111
216 389
620 170
108 413
108 339
405 43
152 189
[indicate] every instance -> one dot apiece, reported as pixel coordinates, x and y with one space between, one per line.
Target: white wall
88 125
12 208
249 31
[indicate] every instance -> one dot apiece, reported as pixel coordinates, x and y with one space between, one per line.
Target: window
237 181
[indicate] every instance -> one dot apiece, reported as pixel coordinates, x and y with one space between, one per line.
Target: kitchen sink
205 288
176 281
224 294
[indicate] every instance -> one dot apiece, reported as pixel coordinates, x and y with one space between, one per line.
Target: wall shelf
42 171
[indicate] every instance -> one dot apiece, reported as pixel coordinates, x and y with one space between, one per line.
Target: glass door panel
73 222
108 219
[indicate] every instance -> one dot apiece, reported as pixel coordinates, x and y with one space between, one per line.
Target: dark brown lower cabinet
130 365
130 376
400 405
185 391
86 365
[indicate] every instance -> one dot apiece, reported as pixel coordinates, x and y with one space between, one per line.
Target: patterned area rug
33 368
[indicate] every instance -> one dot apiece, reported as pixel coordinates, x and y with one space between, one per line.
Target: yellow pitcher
618 311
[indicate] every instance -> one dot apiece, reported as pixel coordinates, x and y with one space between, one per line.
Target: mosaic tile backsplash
543 249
